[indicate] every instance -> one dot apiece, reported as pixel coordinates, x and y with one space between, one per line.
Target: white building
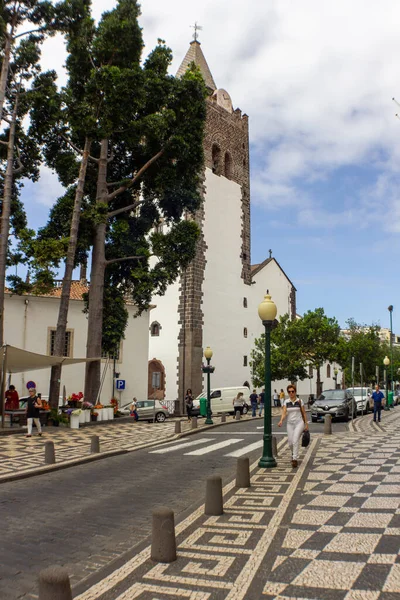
30 324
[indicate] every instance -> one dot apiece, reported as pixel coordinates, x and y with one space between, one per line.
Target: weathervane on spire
196 29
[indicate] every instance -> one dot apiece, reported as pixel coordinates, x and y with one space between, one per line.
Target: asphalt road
86 516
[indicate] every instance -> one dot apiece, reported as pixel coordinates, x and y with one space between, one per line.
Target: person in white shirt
294 411
276 398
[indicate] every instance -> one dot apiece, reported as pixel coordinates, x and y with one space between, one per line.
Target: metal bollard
49 454
237 416
223 418
328 425
54 584
214 500
163 542
194 422
274 446
243 472
178 427
94 444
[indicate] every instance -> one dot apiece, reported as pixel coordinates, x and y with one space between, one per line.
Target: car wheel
160 417
366 411
245 410
314 419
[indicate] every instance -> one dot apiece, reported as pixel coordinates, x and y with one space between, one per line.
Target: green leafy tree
287 360
146 130
298 344
20 155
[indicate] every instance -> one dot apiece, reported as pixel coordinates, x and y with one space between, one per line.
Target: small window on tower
228 165
328 370
155 329
245 332
245 361
244 302
216 159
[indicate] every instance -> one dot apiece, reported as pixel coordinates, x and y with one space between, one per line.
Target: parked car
340 404
222 400
148 410
363 398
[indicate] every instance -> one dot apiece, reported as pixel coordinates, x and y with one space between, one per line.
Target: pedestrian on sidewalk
377 397
281 398
12 398
133 408
34 404
262 400
294 410
253 402
276 398
238 404
189 403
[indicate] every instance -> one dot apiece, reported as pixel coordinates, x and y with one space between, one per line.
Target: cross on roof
270 253
196 29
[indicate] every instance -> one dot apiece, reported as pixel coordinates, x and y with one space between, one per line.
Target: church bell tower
222 261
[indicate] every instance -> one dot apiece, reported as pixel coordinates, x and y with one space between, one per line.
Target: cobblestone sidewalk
328 530
19 454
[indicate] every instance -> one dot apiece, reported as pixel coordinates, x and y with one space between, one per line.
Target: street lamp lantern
267 309
267 312
208 369
208 353
386 362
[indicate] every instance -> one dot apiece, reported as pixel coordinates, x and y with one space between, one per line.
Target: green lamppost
208 369
390 309
267 312
386 362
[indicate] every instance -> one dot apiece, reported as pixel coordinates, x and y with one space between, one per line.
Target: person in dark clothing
253 402
189 403
262 401
12 398
34 404
377 397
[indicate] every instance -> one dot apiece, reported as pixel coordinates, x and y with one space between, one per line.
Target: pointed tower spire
195 54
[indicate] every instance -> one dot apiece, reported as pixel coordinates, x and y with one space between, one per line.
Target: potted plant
99 409
94 415
87 406
74 418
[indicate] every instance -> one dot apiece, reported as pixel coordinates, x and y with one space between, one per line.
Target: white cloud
317 80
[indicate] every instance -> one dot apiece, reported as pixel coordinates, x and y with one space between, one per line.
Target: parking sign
120 384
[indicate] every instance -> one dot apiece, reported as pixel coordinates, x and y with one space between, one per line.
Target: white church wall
28 320
164 347
224 314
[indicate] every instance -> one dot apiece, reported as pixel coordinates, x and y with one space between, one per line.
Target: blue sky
317 81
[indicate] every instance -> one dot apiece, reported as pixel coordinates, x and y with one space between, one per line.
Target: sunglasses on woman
292 391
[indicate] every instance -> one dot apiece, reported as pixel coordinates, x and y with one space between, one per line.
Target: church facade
214 302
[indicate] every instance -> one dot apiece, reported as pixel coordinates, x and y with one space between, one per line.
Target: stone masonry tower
216 281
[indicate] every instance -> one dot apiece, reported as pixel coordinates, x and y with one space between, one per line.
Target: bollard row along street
327 530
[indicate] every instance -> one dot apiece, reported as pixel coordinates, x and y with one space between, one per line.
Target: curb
107 454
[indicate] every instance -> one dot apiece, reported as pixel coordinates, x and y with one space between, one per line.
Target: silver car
148 410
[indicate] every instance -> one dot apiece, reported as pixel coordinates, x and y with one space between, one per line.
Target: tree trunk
5 214
62 320
319 386
96 287
5 67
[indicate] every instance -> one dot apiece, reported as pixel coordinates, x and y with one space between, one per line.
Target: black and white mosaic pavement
328 530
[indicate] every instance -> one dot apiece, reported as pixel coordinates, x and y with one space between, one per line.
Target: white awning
18 360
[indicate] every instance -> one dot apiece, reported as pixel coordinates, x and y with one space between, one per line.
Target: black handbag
305 440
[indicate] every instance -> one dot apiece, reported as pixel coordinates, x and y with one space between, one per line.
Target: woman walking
238 404
189 403
33 406
294 410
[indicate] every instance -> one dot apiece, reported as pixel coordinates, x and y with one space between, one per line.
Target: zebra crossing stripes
166 449
217 446
246 449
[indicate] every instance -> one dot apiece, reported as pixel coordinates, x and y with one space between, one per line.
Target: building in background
30 324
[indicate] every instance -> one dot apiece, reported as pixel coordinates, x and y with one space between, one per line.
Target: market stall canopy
18 360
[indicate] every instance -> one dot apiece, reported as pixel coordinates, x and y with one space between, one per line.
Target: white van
222 400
